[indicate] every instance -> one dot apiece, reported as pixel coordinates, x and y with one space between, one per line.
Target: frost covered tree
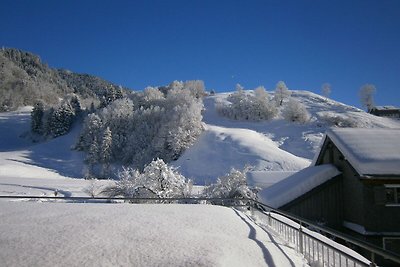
157 180
90 132
195 87
257 107
183 122
232 185
296 112
105 151
281 92
92 156
366 93
150 126
152 94
111 94
326 89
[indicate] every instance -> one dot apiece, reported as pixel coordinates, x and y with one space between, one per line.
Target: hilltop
25 79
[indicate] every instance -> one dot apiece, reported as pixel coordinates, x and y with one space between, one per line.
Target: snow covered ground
66 234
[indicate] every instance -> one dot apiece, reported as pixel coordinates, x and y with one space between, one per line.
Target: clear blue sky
138 43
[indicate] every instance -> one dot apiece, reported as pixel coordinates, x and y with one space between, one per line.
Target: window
392 244
392 194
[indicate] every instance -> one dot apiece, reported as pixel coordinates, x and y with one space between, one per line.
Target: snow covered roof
369 151
384 107
297 185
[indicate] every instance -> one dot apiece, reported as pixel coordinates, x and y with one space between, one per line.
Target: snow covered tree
60 120
90 132
105 149
92 156
152 93
165 181
296 112
156 126
366 93
182 123
281 92
195 87
37 117
257 107
111 94
326 89
232 185
76 104
157 180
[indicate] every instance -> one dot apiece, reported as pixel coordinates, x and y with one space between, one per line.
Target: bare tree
366 95
281 92
326 89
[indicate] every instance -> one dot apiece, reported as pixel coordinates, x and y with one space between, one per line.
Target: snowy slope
270 146
275 145
67 234
219 149
28 168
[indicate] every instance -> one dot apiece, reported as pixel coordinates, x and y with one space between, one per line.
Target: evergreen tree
92 156
37 117
105 155
76 105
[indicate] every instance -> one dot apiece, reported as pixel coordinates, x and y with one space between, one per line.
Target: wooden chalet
353 185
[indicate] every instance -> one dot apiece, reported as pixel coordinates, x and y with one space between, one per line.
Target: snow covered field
67 234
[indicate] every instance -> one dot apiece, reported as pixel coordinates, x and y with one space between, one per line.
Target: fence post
301 240
269 218
372 264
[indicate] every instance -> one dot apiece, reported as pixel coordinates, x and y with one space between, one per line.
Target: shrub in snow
296 112
281 92
157 180
232 185
338 120
93 189
243 106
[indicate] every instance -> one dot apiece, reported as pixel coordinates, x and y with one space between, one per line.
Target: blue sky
138 43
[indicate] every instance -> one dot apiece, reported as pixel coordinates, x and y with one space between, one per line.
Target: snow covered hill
275 145
267 147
